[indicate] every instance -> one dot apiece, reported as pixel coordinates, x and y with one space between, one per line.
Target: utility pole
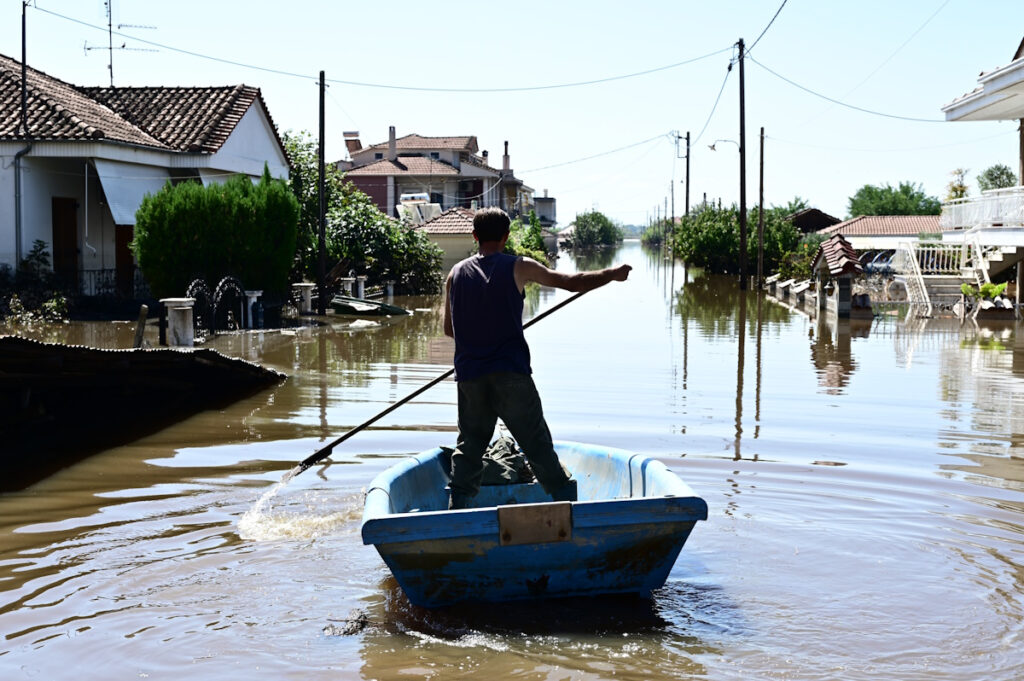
672 186
321 306
743 177
760 222
687 173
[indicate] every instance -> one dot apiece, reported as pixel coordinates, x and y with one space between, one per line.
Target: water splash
300 519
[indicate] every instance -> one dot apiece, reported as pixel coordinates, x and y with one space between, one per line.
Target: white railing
937 259
906 264
994 208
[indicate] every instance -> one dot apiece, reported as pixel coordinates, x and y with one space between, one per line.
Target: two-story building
452 171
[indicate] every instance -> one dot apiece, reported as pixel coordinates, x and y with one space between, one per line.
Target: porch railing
994 208
106 284
907 265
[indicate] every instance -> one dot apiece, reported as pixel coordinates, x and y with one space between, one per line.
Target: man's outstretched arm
528 269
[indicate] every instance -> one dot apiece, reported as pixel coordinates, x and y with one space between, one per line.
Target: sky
590 96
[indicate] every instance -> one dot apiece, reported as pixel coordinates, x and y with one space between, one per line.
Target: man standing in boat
483 312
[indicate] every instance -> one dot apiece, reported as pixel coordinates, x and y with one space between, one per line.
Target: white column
251 297
179 321
306 297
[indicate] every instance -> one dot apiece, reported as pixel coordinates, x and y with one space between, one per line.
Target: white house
76 162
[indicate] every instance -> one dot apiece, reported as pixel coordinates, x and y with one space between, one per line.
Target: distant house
90 154
452 171
881 232
453 232
811 220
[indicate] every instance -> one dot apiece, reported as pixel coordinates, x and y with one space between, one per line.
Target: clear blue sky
904 59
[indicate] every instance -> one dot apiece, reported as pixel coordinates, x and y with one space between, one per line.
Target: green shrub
593 229
710 238
237 228
527 240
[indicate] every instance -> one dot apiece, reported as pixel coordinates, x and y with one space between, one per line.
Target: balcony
996 208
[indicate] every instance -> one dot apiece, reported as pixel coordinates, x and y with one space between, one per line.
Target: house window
377 156
437 197
435 155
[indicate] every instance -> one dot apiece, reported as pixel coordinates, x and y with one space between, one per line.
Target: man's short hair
491 224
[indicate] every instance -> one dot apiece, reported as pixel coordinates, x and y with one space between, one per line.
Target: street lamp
712 145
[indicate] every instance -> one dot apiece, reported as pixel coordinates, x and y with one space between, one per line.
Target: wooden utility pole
760 221
687 173
321 306
743 177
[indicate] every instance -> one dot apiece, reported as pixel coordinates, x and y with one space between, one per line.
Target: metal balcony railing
994 208
105 284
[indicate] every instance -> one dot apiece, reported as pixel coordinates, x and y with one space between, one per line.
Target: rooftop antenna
108 5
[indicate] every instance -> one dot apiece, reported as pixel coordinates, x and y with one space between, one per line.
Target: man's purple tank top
487 317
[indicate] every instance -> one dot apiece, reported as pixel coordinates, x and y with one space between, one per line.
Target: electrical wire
387 86
603 153
770 25
844 104
891 149
713 108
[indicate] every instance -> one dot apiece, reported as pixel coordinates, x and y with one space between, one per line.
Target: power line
391 86
891 149
603 153
769 26
717 99
844 104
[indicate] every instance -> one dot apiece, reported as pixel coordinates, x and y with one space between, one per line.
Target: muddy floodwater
864 482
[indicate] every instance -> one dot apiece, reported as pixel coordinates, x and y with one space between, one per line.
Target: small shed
837 262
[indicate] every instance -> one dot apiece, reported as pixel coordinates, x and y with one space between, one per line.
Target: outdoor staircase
933 272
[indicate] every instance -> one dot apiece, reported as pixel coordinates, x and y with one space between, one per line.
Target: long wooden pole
326 450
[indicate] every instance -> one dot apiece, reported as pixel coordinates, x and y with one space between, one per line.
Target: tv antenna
108 5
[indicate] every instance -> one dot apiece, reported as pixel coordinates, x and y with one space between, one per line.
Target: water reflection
831 350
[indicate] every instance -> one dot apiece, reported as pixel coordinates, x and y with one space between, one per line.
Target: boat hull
624 544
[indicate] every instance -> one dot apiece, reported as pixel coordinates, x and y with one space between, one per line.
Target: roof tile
452 221
885 225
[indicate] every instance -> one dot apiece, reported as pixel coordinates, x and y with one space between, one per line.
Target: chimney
352 142
504 159
392 153
545 193
484 154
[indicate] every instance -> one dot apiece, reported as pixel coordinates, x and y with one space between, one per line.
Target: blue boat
623 535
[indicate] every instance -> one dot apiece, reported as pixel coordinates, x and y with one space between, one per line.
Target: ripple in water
300 518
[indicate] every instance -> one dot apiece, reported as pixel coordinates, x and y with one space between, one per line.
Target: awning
125 185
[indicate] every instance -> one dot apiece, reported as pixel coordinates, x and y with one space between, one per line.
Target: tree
710 237
907 199
957 188
237 228
996 177
359 236
594 229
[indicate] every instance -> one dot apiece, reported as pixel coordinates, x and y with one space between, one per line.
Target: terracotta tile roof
405 165
193 119
184 118
886 225
414 141
58 111
837 255
452 221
